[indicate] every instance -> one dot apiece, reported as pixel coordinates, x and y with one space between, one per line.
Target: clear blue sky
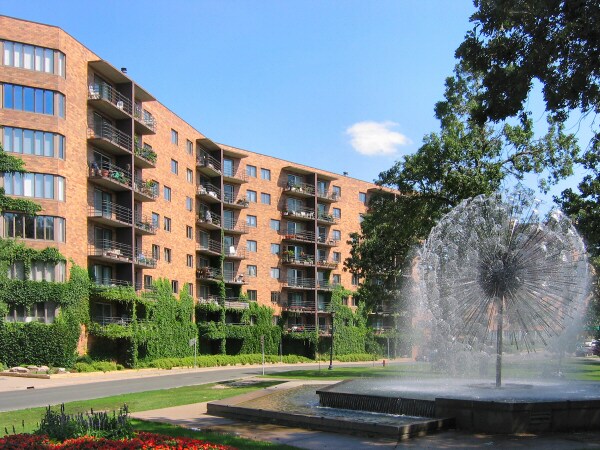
284 78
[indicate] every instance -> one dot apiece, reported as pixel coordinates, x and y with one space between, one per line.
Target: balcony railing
208 273
301 212
327 263
300 188
235 226
233 252
144 117
111 249
149 188
207 161
209 217
110 172
231 199
107 283
304 236
228 302
231 276
326 285
326 217
107 320
111 211
209 245
103 91
327 240
146 153
300 328
209 189
307 260
144 223
104 130
236 175
305 283
145 259
327 195
146 287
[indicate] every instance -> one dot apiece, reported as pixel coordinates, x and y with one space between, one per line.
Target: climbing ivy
11 164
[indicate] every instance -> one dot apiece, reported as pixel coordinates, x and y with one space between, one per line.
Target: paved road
82 390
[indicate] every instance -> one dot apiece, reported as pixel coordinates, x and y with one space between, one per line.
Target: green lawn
26 420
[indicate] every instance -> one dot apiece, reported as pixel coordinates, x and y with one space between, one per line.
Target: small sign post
262 347
194 343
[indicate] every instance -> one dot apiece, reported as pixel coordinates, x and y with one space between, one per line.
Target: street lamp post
331 349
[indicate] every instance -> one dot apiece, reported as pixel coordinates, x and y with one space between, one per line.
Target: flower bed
140 441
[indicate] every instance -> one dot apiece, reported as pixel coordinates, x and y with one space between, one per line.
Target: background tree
10 164
464 159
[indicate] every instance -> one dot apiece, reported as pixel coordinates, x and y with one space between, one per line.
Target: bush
97 366
221 360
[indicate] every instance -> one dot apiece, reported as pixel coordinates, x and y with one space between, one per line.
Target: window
29 57
275 272
189 260
336 235
251 246
37 185
174 167
337 257
189 147
167 224
190 288
155 252
337 192
337 213
34 100
167 193
175 286
33 142
189 203
189 175
251 171
167 255
251 221
265 199
251 196
147 281
252 272
47 228
174 137
189 232
265 174
355 280
252 295
275 249
337 279
362 197
274 296
155 220
275 224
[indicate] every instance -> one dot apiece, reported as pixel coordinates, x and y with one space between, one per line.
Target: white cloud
376 138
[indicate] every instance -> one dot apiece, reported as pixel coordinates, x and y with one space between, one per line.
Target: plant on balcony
243 202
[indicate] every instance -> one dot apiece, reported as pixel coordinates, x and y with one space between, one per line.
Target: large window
46 228
30 57
33 142
35 100
43 312
265 198
265 174
40 271
251 221
251 171
37 185
251 196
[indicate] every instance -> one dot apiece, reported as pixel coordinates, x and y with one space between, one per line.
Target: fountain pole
499 343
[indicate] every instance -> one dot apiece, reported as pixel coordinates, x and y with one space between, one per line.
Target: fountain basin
476 405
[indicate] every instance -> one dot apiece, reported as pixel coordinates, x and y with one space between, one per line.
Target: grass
217 438
26 420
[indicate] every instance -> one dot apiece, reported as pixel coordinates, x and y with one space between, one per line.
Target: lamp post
331 349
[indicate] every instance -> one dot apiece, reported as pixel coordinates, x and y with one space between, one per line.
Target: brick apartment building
134 193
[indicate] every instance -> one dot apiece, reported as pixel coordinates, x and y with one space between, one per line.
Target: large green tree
464 159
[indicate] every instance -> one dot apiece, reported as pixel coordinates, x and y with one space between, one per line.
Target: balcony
110 251
208 165
235 227
300 236
144 260
208 273
327 263
108 100
231 201
302 213
299 283
144 121
107 320
232 277
208 192
326 285
144 225
235 253
145 190
144 287
299 189
110 214
209 247
237 177
327 196
382 329
108 283
228 302
327 241
209 220
106 137
110 176
144 156
325 218
297 260
300 306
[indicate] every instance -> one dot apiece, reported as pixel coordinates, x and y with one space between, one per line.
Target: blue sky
283 78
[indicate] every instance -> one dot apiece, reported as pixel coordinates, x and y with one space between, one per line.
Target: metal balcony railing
324 239
205 160
144 223
326 285
145 152
299 188
148 188
228 302
104 130
301 211
307 260
111 249
236 174
232 276
233 252
103 91
106 283
308 283
322 306
114 173
143 116
206 188
300 328
209 245
304 305
112 211
208 273
209 217
147 287
328 195
306 236
326 217
107 320
327 263
145 258
232 225
231 199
